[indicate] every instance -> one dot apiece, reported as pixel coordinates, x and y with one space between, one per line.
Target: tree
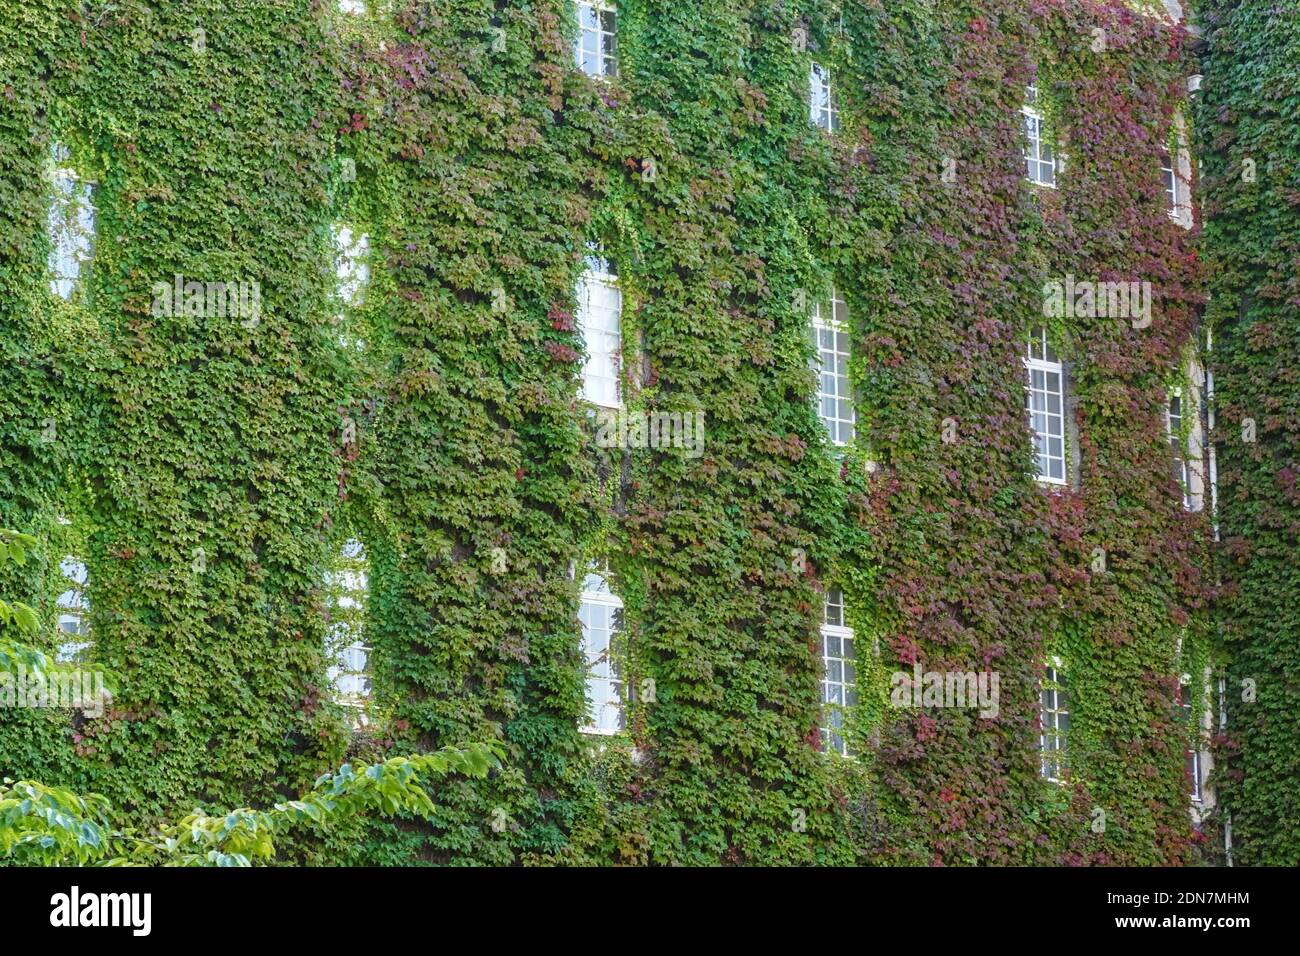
49 826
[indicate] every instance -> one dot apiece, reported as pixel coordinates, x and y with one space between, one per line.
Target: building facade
789 429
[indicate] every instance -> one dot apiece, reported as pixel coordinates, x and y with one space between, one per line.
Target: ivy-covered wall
468 141
213 465
28 463
207 435
1248 127
33 405
720 177
983 568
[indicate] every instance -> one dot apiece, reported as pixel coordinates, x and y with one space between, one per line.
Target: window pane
837 671
599 615
598 321
835 406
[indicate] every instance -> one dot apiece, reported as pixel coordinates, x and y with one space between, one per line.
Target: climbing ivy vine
1250 140
214 464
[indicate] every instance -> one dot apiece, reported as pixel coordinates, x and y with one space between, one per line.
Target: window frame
1177 163
603 596
1182 458
1036 140
600 274
71 221
833 738
1054 674
835 326
1046 366
825 115
348 586
352 255
1193 763
75 638
606 55
1170 177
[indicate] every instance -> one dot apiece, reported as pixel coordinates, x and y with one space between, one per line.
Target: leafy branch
50 826
14 546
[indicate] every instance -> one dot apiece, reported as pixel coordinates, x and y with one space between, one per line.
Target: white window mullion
839 677
822 108
1040 162
74 628
1192 763
1045 407
1054 714
830 331
595 49
70 224
348 586
599 320
1173 191
1182 466
601 613
1176 175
